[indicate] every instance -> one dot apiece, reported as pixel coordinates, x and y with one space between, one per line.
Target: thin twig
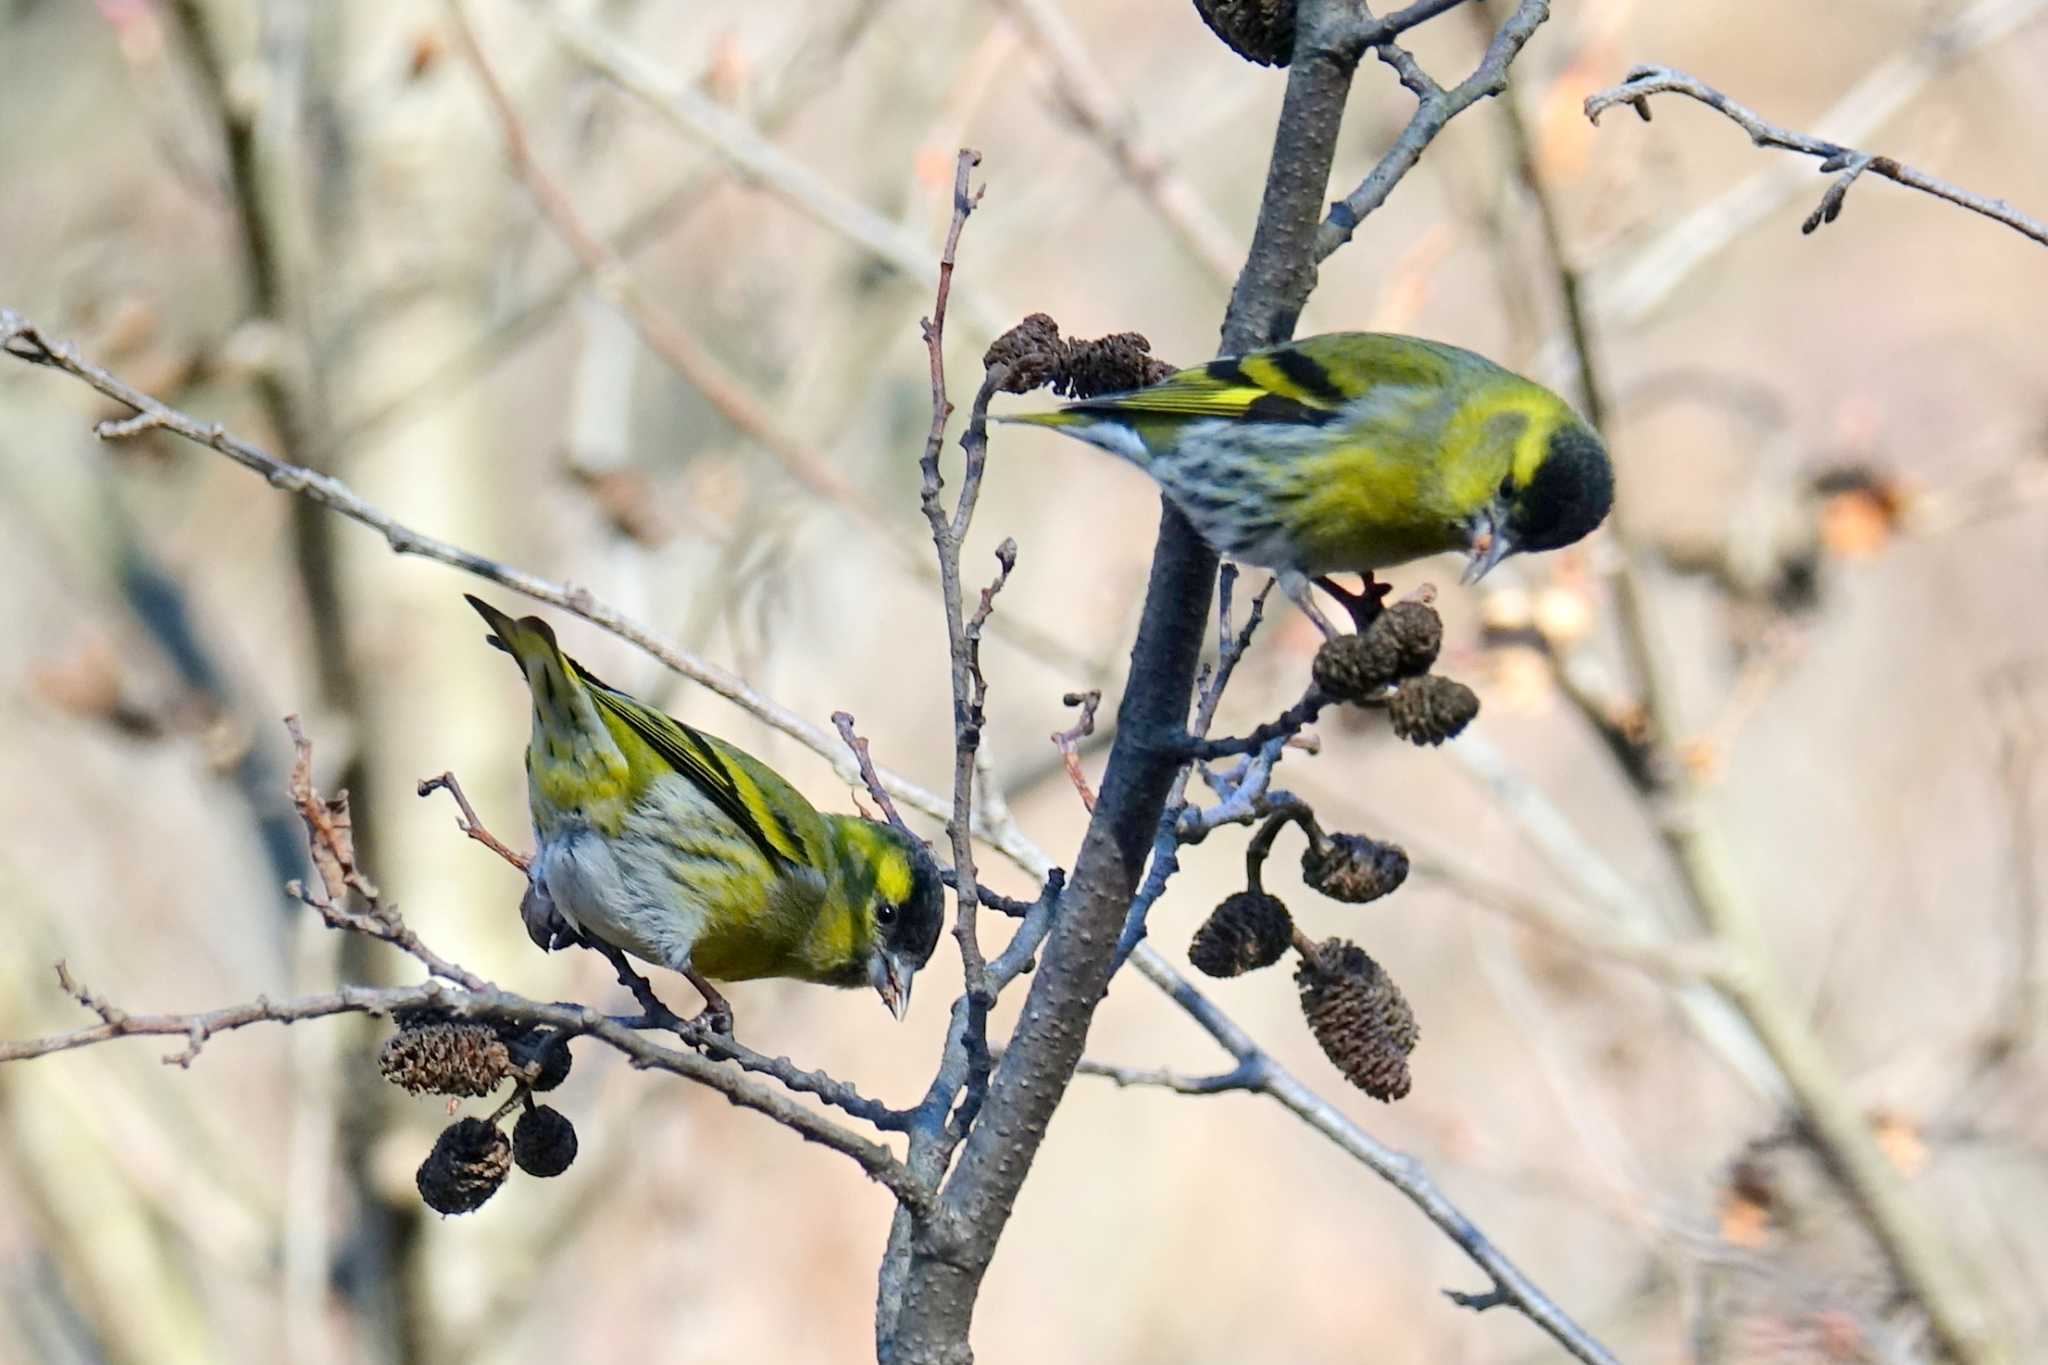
486 1003
1240 1077
331 836
1627 290
1179 822
1068 742
1435 108
1258 1071
724 1047
468 822
842 721
963 641
1676 792
1846 163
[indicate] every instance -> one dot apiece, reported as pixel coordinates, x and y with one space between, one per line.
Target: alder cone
1259 31
1359 1017
1247 931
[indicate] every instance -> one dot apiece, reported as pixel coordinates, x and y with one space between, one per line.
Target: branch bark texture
952 1251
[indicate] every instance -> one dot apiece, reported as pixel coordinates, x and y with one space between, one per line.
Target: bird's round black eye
885 914
1507 486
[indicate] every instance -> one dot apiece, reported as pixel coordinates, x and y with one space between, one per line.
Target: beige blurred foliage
1876 785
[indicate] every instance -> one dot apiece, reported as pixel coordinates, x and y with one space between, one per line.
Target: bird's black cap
1569 495
915 934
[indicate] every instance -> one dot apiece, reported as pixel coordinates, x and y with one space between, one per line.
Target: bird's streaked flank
1357 451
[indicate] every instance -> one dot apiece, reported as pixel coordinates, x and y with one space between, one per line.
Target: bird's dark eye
885 914
1507 487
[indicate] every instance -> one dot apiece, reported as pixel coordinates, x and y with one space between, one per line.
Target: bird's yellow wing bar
1280 386
1308 381
738 798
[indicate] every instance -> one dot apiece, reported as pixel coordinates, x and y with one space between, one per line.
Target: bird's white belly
603 887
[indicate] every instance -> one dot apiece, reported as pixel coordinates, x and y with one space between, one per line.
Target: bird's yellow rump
677 847
1357 451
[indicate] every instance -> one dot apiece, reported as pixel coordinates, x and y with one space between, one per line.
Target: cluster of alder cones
440 1055
1354 1009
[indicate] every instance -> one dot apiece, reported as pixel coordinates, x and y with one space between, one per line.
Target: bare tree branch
487 1003
1846 163
926 1162
1257 1071
1750 980
1435 109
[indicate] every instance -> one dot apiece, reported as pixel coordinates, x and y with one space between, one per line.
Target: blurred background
301 221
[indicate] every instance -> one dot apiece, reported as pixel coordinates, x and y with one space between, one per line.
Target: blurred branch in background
666 335
2014 693
755 159
1676 794
810 73
1091 99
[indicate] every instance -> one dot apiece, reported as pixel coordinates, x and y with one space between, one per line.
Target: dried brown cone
1358 1016
543 1046
1353 868
470 1160
1259 31
1431 709
1115 364
1247 931
1034 355
1401 642
445 1056
544 1141
1033 352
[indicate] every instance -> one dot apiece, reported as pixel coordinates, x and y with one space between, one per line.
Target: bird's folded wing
691 754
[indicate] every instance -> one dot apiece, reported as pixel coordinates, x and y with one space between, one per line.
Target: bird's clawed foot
717 1012
1363 606
545 925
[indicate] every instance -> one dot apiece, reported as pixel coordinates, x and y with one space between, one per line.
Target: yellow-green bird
1357 451
678 848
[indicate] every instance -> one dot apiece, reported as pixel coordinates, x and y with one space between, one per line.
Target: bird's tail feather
1060 418
554 681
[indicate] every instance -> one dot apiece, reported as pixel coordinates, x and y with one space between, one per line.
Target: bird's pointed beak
1490 542
892 982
